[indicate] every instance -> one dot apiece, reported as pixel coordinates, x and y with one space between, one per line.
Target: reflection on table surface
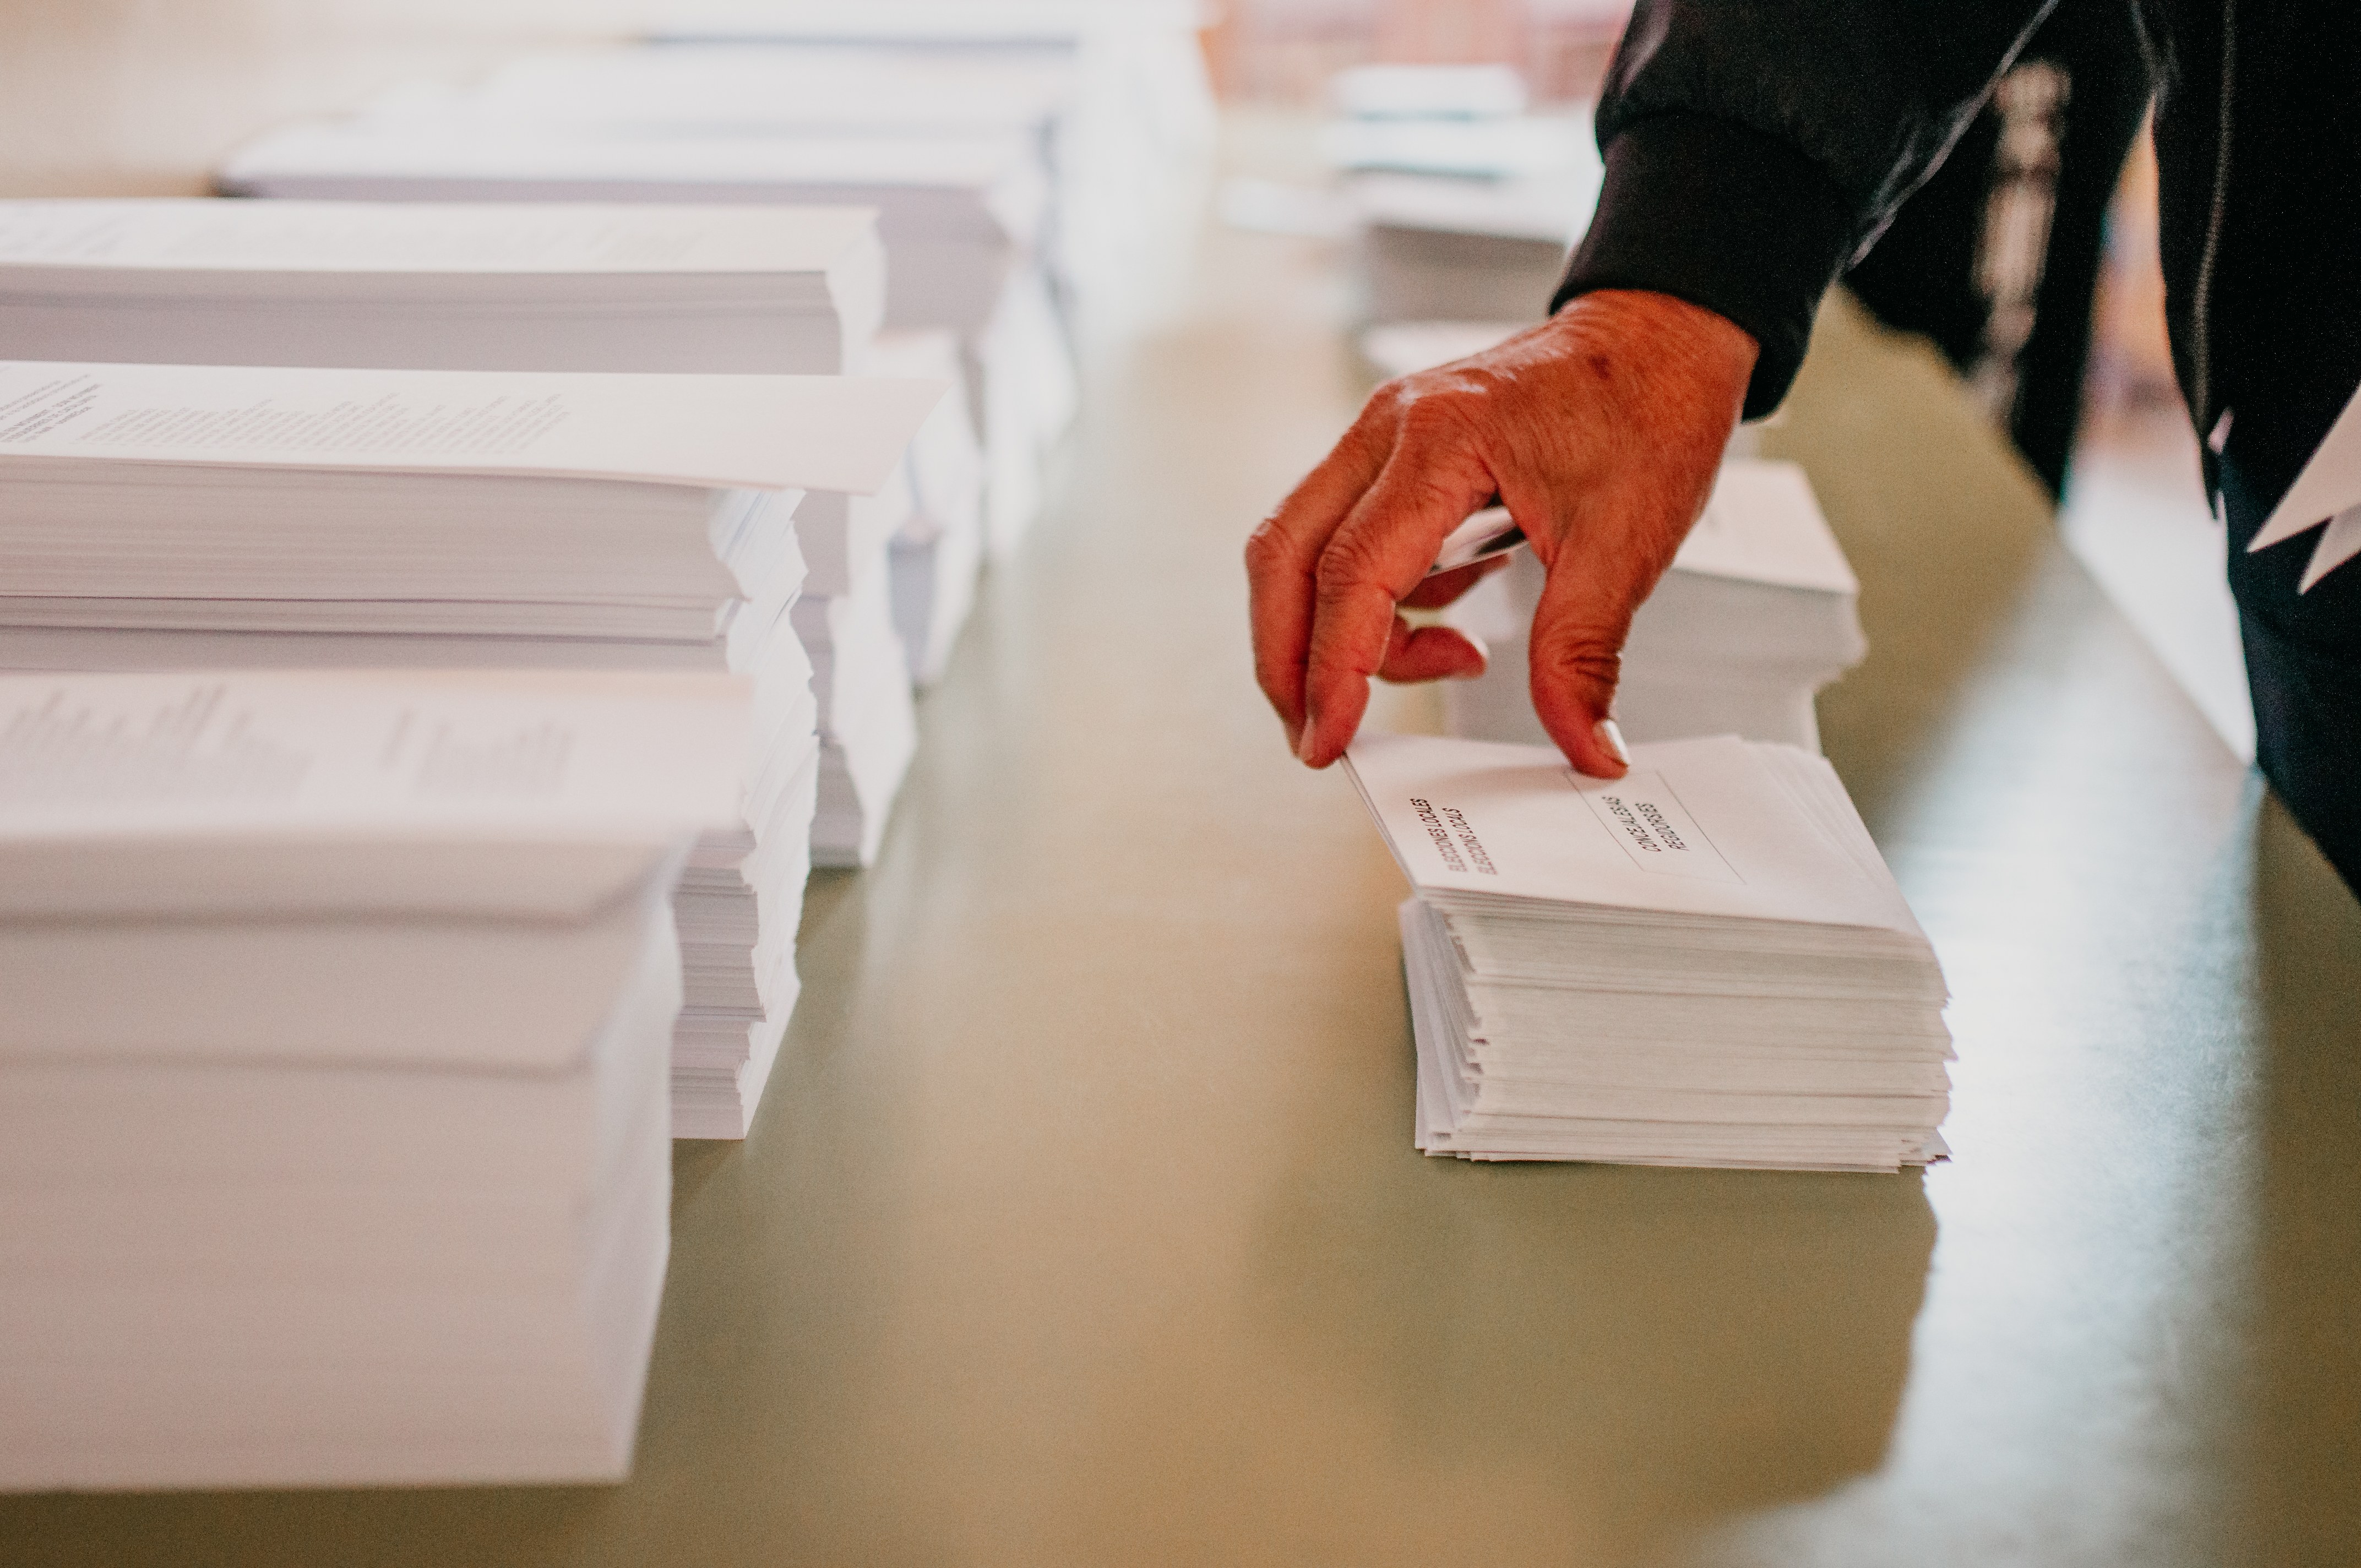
1082 1224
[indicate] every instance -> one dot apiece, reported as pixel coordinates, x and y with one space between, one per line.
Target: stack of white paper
1135 125
964 215
1524 147
1398 348
1462 205
955 211
624 288
1401 92
333 1130
732 89
976 24
1444 248
938 550
1758 614
159 517
712 290
1018 362
1705 962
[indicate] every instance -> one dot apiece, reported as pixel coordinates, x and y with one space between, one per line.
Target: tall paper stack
963 215
938 550
1756 616
1022 385
333 1129
602 288
710 290
1136 123
1463 204
1705 962
159 517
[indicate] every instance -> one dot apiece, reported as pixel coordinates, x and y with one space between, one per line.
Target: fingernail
1303 742
1610 737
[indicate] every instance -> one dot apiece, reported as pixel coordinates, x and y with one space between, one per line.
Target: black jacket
1754 147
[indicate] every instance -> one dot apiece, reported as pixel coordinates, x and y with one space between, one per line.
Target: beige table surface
1082 1226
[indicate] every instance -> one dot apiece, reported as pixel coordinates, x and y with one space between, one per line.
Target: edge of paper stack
1705 964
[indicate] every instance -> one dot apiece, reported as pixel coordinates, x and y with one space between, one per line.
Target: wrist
1672 358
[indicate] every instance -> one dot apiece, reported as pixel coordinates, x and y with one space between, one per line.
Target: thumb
1577 655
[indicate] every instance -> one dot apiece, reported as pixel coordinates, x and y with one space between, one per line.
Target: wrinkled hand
1600 430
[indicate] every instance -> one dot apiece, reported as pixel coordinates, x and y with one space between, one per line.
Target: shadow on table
1656 1349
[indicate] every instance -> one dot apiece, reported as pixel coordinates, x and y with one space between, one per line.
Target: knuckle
1267 549
1433 418
1587 660
1349 565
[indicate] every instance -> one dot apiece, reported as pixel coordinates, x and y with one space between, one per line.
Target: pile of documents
954 211
1398 348
159 517
1461 204
965 211
1758 614
428 287
594 288
1134 125
1436 248
938 552
1704 963
332 1132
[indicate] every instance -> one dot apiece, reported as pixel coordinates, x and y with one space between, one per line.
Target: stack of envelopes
1758 614
1705 964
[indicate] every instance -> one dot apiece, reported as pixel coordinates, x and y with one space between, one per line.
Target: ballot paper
736 88
956 212
967 217
938 552
773 432
473 287
1705 962
1399 348
2327 492
868 724
1445 247
1525 147
1758 614
422 286
334 1143
1048 25
280 536
1394 91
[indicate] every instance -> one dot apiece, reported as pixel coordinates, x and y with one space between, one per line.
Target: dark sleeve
1754 147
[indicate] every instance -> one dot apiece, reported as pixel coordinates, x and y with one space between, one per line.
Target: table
1082 1226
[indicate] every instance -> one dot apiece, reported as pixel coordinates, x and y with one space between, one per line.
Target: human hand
1600 430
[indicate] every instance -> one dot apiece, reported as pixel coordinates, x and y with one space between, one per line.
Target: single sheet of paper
369 237
1697 827
540 757
770 432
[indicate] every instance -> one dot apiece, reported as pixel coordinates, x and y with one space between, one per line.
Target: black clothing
1921 274
1754 147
